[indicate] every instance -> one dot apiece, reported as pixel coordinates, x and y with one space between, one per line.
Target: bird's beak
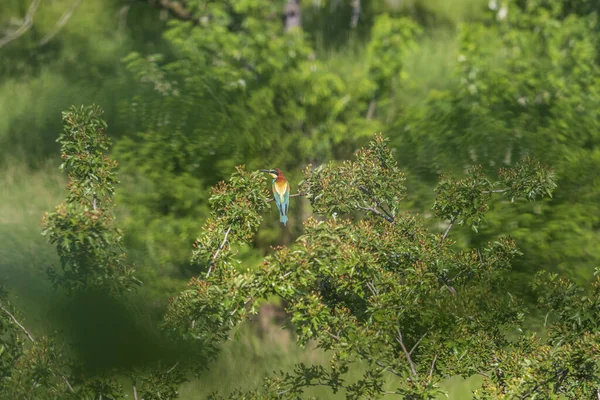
265 170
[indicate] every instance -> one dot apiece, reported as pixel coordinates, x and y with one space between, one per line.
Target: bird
281 193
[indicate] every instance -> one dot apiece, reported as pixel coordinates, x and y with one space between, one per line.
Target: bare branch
291 195
17 322
495 191
418 342
173 367
447 231
406 353
134 391
432 366
25 26
33 341
214 257
377 212
62 21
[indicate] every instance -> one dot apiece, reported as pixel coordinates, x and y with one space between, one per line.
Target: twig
377 212
33 341
416 344
372 288
483 374
173 367
134 391
386 212
291 195
17 322
380 364
25 26
432 366
452 221
406 353
61 22
495 191
214 257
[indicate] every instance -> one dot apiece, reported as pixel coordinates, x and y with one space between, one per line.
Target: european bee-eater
281 193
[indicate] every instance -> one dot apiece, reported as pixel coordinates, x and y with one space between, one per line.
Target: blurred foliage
527 83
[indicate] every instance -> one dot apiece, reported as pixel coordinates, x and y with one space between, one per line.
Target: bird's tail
283 219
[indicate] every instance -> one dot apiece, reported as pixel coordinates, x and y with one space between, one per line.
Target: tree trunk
292 15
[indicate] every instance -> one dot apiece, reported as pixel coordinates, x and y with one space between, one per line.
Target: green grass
24 253
246 360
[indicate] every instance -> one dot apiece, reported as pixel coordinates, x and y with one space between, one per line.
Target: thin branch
418 342
377 212
380 364
406 353
214 257
134 391
452 221
372 288
483 374
66 382
25 26
432 366
17 322
291 195
173 367
495 191
33 341
62 21
386 212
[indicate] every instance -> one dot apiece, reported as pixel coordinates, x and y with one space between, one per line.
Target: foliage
242 91
384 290
87 242
526 85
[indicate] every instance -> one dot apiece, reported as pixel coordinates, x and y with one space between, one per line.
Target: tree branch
291 195
61 22
175 8
25 26
355 13
214 257
452 221
377 212
134 391
17 322
406 353
495 191
33 341
432 366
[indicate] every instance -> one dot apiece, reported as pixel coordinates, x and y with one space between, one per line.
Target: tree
366 281
373 285
527 84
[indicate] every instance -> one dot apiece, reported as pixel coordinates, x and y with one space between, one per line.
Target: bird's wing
286 197
281 192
